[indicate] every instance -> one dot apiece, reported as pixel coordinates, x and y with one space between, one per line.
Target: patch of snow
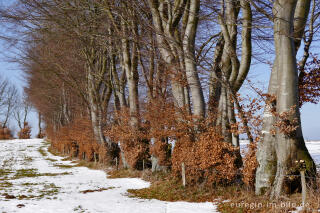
312 146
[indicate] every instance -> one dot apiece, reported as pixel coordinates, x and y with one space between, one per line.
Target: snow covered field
33 180
313 147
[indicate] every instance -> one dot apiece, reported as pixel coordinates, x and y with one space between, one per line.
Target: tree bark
39 125
173 50
288 146
266 155
95 110
189 59
300 20
130 65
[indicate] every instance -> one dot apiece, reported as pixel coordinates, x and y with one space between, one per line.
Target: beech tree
8 101
227 68
21 111
283 142
177 48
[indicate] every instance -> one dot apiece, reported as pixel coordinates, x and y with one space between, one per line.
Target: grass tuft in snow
42 151
52 160
28 159
79 209
29 184
63 166
66 158
53 151
47 191
97 190
4 173
5 184
23 173
125 173
90 165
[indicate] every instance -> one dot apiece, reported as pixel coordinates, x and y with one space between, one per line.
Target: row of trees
149 75
13 107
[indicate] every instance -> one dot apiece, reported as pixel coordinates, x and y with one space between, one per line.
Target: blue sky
12 72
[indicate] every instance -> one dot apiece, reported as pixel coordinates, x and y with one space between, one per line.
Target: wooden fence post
302 168
304 187
183 174
95 157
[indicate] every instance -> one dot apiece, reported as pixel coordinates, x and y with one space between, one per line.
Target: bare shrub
25 132
5 133
134 143
208 160
77 140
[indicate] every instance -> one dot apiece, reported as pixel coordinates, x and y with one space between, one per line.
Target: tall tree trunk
266 156
289 145
118 84
189 59
300 20
289 148
266 153
214 82
39 125
95 110
130 67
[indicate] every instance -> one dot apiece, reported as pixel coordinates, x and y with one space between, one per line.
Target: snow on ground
312 146
41 182
314 149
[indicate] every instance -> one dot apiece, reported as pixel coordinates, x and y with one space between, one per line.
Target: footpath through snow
33 180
